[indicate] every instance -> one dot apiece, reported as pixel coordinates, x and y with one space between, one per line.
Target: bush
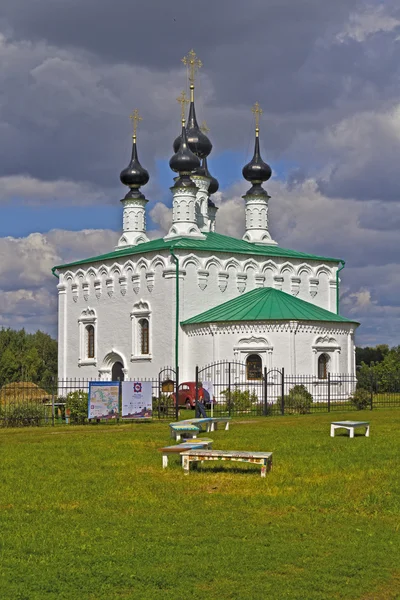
77 403
298 400
361 398
22 415
239 400
165 403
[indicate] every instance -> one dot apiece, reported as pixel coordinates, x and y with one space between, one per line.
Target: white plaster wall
110 290
279 336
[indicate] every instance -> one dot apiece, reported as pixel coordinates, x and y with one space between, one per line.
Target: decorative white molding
110 286
223 277
150 280
241 280
75 292
136 283
259 280
202 276
313 286
278 282
295 285
123 284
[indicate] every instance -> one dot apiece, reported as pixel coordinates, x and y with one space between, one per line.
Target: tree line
379 367
27 357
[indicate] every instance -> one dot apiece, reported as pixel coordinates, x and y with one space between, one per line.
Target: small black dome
184 160
197 140
256 169
134 174
214 185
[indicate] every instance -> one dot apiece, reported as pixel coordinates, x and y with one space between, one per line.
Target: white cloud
372 20
35 191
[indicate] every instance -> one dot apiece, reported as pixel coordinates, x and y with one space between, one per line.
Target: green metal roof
214 242
266 304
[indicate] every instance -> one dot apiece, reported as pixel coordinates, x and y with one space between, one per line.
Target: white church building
195 296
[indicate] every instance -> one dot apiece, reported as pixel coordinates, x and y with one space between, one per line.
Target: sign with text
137 400
103 399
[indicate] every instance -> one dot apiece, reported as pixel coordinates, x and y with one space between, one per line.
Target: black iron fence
275 392
66 401
233 391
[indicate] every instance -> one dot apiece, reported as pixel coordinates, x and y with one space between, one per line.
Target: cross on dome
193 63
135 118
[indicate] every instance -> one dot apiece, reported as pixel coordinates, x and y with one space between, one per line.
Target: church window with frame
254 367
144 336
87 337
90 340
323 362
141 331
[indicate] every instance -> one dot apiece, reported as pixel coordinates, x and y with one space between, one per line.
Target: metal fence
275 392
66 401
234 393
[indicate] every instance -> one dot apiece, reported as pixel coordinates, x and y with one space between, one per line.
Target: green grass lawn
88 513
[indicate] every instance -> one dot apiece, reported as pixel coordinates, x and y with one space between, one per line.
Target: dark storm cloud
77 68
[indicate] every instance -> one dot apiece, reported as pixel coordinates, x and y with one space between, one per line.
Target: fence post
52 406
229 388
283 391
265 393
372 390
329 392
196 394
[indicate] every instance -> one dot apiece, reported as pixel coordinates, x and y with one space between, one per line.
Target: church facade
196 296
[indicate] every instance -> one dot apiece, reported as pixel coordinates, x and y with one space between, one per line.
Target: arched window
90 341
254 367
141 331
323 361
87 337
144 336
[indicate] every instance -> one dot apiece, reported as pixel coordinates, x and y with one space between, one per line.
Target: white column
201 208
62 329
257 220
184 214
134 222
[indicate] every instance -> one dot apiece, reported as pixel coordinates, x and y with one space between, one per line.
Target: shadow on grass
247 470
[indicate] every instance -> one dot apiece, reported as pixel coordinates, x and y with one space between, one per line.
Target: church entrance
117 372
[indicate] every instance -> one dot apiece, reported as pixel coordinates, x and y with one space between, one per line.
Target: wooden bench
179 448
210 423
179 430
350 426
259 458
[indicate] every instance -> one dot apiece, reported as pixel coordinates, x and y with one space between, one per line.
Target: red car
187 394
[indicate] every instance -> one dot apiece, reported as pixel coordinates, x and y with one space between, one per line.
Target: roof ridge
213 242
263 304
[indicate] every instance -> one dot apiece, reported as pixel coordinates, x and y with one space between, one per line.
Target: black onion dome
184 161
257 170
214 185
134 174
197 140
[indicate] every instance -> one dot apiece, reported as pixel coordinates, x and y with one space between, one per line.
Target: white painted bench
210 423
179 448
187 430
264 459
350 426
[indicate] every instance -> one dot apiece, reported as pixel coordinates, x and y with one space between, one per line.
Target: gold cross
135 118
204 127
183 101
257 112
193 64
